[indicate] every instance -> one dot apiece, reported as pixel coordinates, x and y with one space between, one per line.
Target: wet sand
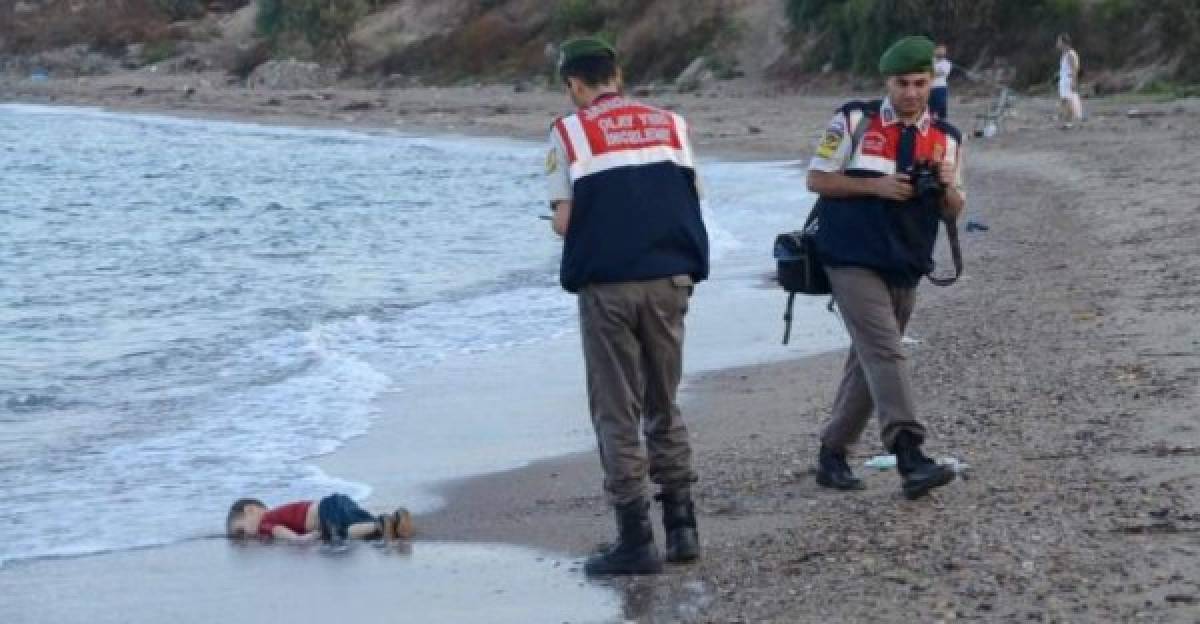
1063 369
204 581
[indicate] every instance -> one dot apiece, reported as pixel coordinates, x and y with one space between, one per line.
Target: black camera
925 181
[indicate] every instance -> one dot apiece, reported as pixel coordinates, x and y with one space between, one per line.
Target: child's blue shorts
337 512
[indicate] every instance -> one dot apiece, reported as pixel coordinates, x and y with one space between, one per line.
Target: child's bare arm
284 533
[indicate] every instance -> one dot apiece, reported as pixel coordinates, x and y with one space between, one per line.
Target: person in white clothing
939 96
1071 106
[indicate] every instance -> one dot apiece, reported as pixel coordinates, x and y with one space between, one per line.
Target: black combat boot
679 523
920 473
834 472
634 552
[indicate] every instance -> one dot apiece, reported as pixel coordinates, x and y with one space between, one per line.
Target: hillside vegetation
1111 35
1124 43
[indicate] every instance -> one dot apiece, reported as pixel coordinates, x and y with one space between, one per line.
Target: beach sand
1062 368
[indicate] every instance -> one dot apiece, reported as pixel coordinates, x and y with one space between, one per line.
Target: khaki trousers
633 349
876 376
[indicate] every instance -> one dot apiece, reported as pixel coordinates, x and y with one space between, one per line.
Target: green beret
907 56
587 46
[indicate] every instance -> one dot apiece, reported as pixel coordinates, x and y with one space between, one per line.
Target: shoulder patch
551 161
830 142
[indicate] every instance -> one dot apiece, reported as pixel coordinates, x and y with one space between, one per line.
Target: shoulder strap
951 224
861 129
787 318
869 111
955 254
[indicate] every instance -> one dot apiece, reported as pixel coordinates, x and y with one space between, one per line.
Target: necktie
907 152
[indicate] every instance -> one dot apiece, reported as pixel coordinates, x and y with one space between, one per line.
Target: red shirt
292 515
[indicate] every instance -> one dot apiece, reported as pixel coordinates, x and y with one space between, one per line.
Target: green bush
324 24
181 9
578 16
851 34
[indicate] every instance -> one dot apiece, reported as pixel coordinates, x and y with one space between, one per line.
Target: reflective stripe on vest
877 152
617 132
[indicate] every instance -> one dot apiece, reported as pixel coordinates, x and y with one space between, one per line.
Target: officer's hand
894 187
946 176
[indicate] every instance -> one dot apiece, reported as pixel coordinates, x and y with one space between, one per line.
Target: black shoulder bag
798 266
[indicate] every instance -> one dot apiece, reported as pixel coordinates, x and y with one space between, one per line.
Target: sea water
192 311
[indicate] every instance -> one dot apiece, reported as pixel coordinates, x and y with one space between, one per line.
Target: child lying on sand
334 518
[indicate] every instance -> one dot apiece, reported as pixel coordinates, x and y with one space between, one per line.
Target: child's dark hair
1065 38
239 506
594 71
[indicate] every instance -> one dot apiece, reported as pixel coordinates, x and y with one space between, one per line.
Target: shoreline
737 123
1063 369
557 504
983 549
457 124
324 462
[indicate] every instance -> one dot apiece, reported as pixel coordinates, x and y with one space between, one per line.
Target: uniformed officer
876 238
625 199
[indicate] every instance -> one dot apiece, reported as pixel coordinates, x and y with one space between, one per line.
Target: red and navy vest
635 211
895 239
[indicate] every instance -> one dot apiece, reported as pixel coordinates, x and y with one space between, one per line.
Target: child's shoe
402 524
